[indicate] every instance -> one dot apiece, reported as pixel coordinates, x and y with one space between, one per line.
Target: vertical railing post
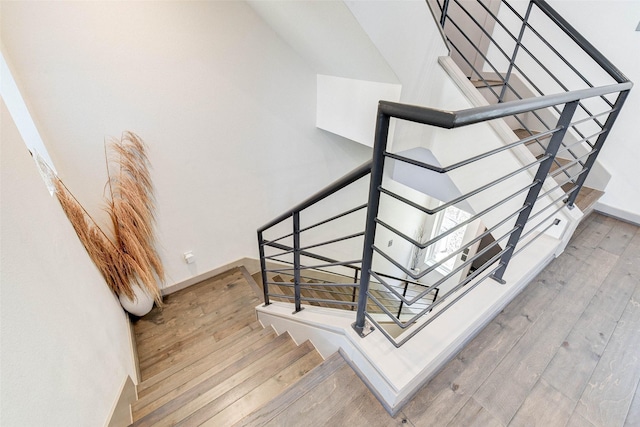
377 169
507 76
296 260
263 268
445 9
597 147
353 292
404 294
543 170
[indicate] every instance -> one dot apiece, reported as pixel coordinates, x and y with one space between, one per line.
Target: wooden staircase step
191 320
176 303
157 359
322 401
217 356
279 404
210 397
184 400
258 396
171 390
479 84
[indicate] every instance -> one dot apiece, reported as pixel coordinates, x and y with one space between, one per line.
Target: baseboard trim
621 214
121 412
252 266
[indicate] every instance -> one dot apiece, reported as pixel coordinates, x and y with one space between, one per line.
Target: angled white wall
65 339
611 28
348 107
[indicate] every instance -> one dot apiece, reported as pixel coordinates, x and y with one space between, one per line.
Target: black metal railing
388 243
529 50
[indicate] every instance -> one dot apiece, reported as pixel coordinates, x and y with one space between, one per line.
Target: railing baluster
543 170
263 268
598 146
445 9
377 170
296 260
515 53
404 294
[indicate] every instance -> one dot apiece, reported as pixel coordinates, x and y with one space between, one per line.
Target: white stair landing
393 374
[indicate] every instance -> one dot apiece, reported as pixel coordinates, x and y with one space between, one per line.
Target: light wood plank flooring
565 352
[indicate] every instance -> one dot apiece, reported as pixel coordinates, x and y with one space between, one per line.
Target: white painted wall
226 106
610 27
65 339
349 107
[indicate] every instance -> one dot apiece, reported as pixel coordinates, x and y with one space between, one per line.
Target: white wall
610 27
65 339
227 108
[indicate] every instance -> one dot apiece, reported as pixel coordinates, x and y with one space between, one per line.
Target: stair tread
277 405
175 303
177 363
181 402
484 83
258 396
192 320
215 395
322 401
188 370
159 359
160 397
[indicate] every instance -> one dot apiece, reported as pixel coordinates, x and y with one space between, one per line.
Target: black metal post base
365 330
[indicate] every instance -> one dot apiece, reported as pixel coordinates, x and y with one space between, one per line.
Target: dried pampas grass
130 258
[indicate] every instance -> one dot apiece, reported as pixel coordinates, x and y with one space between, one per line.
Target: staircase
331 295
205 360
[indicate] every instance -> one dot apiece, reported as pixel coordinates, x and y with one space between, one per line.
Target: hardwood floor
565 352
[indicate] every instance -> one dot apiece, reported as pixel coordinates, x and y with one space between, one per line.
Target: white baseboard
620 214
251 264
120 415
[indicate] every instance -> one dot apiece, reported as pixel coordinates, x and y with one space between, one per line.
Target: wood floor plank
190 322
473 414
194 342
508 386
633 416
284 400
544 406
365 410
321 403
174 303
194 374
448 392
618 238
192 398
576 358
612 387
222 395
577 420
258 396
252 331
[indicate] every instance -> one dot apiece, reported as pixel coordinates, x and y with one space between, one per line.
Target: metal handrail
581 41
351 177
518 227
456 119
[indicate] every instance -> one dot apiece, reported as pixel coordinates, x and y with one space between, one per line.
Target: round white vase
141 305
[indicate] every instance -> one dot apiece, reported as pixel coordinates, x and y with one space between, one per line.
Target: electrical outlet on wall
189 258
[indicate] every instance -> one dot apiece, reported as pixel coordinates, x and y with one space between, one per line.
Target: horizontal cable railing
389 243
514 58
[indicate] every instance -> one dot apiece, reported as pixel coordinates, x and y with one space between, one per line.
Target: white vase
141 305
